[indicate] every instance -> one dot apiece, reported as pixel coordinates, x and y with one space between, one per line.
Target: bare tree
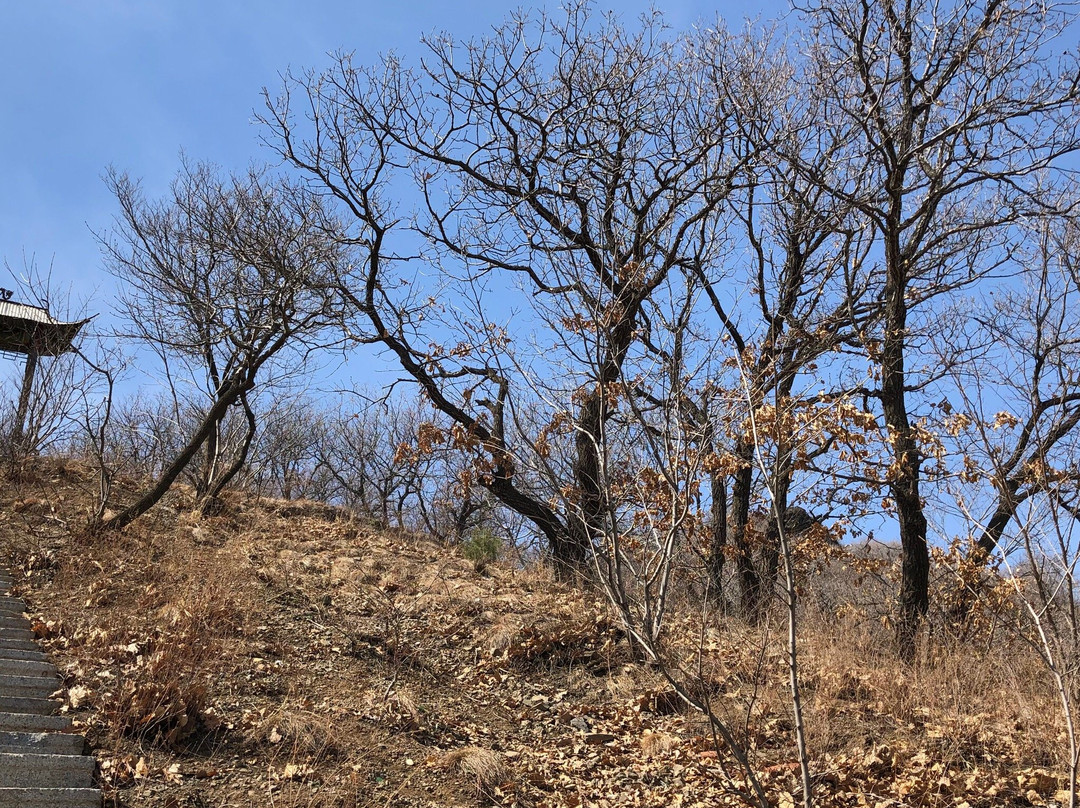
575 159
776 481
144 434
226 280
1028 377
1041 570
961 109
379 459
287 457
41 412
1009 416
800 297
97 399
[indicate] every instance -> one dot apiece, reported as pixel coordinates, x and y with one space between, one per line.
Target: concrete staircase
43 764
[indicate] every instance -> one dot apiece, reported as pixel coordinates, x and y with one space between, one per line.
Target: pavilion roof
31 329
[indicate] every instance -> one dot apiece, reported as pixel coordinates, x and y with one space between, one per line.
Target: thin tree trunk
718 536
791 601
773 540
151 497
242 456
205 480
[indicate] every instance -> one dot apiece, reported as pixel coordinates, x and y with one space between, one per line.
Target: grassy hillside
285 654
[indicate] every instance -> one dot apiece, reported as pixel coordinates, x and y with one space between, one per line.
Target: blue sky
131 83
88 84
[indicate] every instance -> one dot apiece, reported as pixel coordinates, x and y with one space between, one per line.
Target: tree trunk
586 522
569 556
204 482
223 480
907 459
718 536
741 490
771 552
995 528
151 497
19 436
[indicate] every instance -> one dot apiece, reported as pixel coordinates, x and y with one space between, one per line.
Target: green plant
482 547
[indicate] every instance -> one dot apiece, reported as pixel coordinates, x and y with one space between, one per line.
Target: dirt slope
284 654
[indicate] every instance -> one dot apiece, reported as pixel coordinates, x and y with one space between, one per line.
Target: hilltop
288 654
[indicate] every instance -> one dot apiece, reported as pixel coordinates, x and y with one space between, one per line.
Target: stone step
29 692
19 644
19 653
42 762
24 770
50 743
50 798
27 667
37 686
28 722
28 704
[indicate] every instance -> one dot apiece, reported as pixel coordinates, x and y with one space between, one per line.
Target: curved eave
21 335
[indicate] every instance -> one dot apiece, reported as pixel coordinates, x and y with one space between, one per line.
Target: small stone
598 738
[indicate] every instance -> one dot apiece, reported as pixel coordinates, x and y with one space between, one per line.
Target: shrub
482 547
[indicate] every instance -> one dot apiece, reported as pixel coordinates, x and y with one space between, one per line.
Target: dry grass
485 768
656 744
298 733
282 653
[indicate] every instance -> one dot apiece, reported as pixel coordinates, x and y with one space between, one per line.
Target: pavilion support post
24 396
